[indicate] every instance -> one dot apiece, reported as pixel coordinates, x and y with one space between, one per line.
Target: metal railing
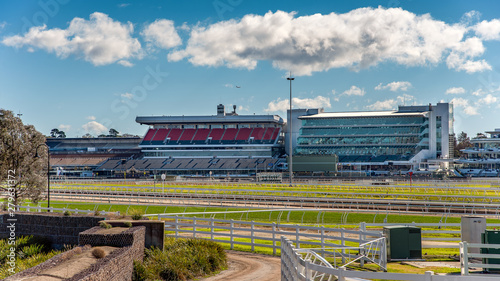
255 234
465 257
296 267
29 208
441 229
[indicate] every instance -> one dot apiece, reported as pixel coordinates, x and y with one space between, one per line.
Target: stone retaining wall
116 266
58 229
119 265
155 230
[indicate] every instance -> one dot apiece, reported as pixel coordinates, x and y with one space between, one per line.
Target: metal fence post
322 241
428 275
307 272
362 227
274 238
341 274
232 232
342 242
297 236
212 229
194 227
176 227
464 259
251 236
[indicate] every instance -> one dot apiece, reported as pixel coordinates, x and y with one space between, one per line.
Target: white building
409 136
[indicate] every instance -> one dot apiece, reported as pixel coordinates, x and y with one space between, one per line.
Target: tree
54 133
25 174
87 136
463 142
481 136
113 133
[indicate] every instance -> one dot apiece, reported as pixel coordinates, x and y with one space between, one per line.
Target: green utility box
403 242
490 237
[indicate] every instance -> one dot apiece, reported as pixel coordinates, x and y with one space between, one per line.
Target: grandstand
82 156
226 143
225 135
200 166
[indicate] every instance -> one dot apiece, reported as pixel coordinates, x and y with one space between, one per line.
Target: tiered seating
76 161
201 136
174 136
149 136
216 135
160 136
268 135
275 135
187 136
257 135
243 135
210 136
229 136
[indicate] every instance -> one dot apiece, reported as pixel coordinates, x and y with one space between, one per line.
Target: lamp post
290 166
48 171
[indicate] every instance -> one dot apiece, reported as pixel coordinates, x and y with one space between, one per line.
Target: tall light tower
290 166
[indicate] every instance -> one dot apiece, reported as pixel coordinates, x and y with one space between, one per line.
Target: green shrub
105 225
30 251
182 259
136 214
67 213
139 273
127 224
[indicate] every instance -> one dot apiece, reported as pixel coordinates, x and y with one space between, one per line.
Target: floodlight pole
48 172
290 166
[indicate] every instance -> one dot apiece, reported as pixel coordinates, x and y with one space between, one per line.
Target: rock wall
117 266
58 229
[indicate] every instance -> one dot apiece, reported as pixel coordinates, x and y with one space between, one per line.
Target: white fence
342 243
29 208
465 257
296 267
442 229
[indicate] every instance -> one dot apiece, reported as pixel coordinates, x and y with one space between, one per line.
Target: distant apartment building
483 158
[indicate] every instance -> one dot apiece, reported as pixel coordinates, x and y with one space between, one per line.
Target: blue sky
88 66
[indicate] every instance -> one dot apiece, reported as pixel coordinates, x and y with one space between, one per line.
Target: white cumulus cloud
354 91
99 40
391 103
455 91
357 39
162 34
64 127
466 106
395 86
489 99
383 105
94 127
284 105
488 30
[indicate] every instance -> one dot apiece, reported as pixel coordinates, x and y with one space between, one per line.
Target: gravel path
243 266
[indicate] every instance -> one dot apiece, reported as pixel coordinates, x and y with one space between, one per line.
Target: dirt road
244 266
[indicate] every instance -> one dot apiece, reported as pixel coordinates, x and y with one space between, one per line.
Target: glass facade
366 138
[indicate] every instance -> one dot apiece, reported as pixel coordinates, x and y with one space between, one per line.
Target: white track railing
442 229
29 208
255 234
465 257
295 267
